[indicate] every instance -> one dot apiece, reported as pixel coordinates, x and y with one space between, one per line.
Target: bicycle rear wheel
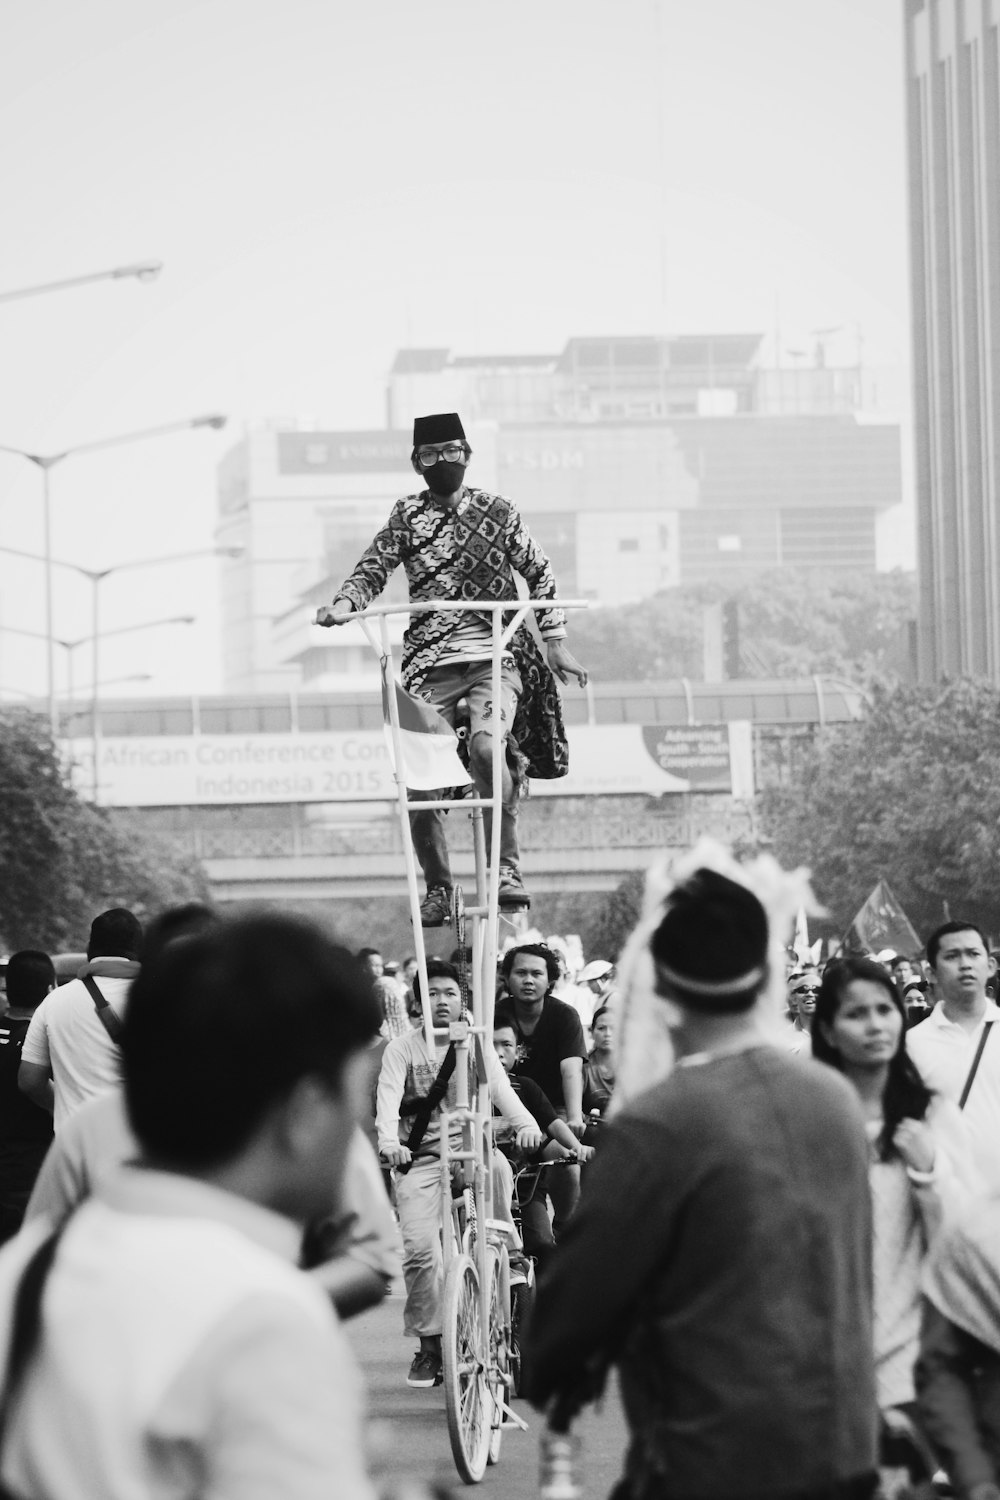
464 1347
499 1353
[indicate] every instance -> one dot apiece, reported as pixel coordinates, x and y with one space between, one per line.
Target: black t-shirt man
552 1052
21 1122
25 1130
536 1102
557 1034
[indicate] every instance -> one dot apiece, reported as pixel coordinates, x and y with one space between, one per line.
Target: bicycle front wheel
522 1300
465 1352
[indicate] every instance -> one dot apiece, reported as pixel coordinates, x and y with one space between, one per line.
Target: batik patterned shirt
471 551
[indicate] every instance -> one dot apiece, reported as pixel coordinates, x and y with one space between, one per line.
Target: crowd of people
192 1111
216 1144
101 1140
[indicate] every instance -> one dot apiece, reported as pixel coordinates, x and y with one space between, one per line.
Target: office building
953 130
638 463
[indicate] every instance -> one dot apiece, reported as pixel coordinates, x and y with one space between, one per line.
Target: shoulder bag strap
422 1115
111 1023
25 1327
984 1038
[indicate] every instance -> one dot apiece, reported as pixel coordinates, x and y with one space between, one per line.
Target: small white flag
429 744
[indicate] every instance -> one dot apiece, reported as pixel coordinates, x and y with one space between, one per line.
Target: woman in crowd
919 1167
599 1069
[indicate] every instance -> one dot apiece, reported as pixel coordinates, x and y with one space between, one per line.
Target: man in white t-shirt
953 1038
180 1350
68 1054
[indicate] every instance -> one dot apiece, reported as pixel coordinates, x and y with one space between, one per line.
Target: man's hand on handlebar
557 1153
529 1139
337 613
396 1156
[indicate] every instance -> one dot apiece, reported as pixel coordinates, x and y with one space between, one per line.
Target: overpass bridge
290 798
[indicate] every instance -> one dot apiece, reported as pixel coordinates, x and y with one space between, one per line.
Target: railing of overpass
584 827
807 700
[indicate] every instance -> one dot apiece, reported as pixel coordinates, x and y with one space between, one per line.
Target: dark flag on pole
881 923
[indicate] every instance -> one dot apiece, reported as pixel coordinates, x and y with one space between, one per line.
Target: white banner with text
354 766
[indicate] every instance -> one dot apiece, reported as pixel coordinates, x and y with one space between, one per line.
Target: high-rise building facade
953 128
638 463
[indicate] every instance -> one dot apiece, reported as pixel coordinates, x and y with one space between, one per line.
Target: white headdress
644 1048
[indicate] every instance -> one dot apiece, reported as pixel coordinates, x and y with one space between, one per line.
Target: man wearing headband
457 542
726 1223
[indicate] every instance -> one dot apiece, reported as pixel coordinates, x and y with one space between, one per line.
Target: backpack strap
984 1038
111 1022
427 1106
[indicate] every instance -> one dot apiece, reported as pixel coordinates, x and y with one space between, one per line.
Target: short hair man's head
254 1025
116 933
30 976
710 949
960 962
951 929
505 1044
536 951
444 989
175 922
370 960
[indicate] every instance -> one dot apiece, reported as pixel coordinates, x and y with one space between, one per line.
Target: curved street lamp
142 270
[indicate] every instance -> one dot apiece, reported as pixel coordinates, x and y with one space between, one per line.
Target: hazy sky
326 181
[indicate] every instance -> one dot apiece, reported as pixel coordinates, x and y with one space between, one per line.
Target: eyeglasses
427 457
808 989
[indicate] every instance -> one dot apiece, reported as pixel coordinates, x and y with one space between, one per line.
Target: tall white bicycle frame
474 1117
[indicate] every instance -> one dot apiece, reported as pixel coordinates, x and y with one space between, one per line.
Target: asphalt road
408 1432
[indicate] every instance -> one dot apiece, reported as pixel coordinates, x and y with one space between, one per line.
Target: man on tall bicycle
457 542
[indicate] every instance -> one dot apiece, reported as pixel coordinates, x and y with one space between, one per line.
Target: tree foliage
63 860
910 793
792 624
606 934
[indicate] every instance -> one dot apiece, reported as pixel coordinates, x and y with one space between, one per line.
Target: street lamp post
143 270
71 646
46 462
95 717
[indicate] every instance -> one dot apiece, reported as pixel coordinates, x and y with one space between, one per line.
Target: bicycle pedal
514 900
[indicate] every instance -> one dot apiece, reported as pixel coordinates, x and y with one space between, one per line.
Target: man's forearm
571 1069
389 1097
560 1131
36 1084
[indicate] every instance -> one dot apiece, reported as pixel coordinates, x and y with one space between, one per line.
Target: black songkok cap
442 427
711 946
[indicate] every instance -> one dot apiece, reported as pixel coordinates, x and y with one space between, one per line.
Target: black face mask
444 478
